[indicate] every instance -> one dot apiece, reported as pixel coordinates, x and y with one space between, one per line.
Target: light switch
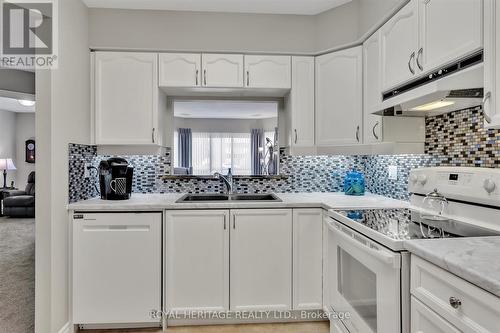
393 172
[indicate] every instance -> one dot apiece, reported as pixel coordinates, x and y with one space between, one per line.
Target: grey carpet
17 275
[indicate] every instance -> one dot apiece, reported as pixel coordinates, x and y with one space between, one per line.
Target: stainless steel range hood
455 87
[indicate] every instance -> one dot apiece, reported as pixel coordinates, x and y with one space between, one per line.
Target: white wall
8 142
193 31
63 116
25 130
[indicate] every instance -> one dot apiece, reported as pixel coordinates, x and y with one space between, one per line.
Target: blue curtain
257 141
185 148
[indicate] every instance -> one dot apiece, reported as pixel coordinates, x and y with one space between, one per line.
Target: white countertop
150 202
475 259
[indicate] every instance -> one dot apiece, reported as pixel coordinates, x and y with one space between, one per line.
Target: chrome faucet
228 180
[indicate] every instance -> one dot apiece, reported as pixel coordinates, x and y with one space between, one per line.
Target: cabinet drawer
425 320
479 310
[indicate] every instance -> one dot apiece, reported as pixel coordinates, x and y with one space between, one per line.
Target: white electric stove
367 266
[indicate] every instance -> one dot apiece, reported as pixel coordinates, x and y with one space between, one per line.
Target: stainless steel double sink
227 197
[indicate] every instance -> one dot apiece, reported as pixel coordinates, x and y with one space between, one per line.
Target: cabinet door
197 256
126 98
222 70
180 69
442 42
307 259
399 45
116 267
302 102
372 92
491 63
268 71
424 320
339 98
261 259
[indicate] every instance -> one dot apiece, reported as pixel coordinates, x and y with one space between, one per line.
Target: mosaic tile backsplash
454 139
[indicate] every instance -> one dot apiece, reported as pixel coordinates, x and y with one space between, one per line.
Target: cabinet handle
234 221
197 74
153 135
455 302
296 136
373 130
412 56
224 221
357 133
205 77
486 115
420 52
248 78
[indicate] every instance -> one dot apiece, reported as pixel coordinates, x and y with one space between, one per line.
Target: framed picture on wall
30 151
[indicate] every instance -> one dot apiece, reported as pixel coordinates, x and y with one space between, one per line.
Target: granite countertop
474 259
336 200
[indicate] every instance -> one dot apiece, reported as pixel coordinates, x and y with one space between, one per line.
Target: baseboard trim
66 328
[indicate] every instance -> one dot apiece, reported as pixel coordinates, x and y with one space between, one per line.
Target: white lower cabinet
197 259
307 259
451 302
261 259
424 320
116 267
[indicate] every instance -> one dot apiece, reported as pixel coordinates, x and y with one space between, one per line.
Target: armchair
21 203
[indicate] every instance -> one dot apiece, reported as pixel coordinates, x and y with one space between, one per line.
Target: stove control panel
480 185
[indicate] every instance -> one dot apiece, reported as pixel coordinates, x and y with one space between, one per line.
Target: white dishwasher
116 268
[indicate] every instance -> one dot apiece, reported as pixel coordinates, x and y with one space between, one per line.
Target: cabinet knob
455 302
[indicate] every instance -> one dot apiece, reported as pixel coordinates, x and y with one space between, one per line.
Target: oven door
363 281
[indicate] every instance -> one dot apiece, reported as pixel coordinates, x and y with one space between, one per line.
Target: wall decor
30 151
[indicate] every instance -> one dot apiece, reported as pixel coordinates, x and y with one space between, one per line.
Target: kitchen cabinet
180 70
452 300
126 99
261 259
222 70
272 72
339 98
445 41
300 103
116 267
425 320
307 259
399 44
372 91
197 260
491 64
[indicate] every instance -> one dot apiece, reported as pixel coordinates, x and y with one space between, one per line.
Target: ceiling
225 109
299 7
11 104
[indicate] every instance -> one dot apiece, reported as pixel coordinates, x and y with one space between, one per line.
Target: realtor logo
28 34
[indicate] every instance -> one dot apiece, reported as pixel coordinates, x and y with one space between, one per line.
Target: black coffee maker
115 179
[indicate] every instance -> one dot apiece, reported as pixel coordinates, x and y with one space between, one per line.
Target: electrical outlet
393 172
86 172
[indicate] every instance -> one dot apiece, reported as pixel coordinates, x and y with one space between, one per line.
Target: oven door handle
387 258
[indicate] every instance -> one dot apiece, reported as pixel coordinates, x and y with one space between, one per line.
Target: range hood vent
454 87
436 75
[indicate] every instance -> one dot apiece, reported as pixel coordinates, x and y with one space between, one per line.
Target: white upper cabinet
126 98
222 70
301 103
448 30
180 69
372 92
261 259
197 258
399 46
491 63
339 98
268 71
